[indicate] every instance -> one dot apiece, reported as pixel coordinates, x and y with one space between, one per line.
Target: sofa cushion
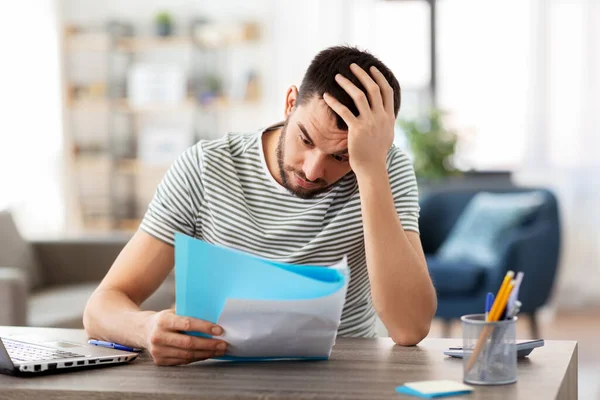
477 235
63 306
59 306
455 277
17 252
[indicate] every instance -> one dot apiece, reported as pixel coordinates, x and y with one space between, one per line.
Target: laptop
26 356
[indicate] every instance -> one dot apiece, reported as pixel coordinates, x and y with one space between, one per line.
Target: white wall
31 126
564 140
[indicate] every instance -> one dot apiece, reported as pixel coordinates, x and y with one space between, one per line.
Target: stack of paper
267 309
434 389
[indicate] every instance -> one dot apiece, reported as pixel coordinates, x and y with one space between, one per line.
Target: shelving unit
107 127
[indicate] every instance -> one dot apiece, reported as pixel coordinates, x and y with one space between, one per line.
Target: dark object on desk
21 356
524 348
532 246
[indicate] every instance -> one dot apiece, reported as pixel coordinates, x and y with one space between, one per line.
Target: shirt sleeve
177 198
404 189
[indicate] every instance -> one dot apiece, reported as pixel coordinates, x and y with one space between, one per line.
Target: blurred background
498 96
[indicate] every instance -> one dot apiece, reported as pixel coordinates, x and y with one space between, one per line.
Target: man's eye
305 141
340 158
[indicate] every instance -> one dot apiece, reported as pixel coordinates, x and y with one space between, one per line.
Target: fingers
182 341
187 324
339 109
175 348
387 92
380 93
170 347
372 88
359 97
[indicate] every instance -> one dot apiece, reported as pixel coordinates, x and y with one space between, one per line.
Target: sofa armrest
535 251
77 260
13 296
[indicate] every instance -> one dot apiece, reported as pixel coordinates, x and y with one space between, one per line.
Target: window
31 132
485 64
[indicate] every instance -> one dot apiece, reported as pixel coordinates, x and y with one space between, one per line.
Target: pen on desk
112 345
489 301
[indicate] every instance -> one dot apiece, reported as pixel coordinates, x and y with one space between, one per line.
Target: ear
290 100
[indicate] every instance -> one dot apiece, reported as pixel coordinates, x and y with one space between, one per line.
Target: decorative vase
164 29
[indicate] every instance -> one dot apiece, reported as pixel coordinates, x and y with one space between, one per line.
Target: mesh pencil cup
489 350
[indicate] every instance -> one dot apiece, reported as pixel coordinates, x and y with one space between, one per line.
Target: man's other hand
168 346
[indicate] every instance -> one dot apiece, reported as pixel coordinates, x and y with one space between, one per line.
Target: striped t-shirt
222 192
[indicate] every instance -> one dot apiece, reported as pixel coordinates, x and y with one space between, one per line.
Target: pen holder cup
489 350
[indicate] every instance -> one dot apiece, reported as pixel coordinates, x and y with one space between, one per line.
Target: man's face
312 152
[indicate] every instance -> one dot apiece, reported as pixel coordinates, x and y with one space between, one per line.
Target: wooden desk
358 369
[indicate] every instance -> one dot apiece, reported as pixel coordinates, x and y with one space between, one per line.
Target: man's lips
305 184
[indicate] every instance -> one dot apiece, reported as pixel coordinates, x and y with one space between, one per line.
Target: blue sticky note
434 389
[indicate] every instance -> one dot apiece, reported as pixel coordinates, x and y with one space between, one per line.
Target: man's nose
313 166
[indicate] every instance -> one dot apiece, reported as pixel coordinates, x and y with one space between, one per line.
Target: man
325 183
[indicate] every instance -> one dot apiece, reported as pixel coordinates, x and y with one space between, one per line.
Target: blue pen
115 346
489 301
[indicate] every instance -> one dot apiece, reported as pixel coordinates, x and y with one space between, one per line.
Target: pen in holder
489 350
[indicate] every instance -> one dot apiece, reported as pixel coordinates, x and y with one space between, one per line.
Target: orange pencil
503 303
507 279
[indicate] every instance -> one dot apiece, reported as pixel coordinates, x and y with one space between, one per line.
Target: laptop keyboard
20 351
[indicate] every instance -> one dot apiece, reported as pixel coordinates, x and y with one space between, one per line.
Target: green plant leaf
433 146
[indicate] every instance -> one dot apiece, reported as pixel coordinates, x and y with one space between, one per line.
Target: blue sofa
533 247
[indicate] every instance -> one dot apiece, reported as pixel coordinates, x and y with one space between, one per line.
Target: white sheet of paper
283 328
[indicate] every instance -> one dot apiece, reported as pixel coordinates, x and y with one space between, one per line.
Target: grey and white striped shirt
221 191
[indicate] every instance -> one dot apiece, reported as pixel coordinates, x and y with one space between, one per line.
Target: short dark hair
320 77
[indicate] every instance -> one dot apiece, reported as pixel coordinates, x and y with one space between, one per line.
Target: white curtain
564 141
485 55
30 123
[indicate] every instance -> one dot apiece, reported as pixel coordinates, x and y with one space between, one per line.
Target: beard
298 191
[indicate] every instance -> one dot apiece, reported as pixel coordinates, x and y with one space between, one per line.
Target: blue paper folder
207 275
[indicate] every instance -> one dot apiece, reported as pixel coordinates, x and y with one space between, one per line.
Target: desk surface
358 369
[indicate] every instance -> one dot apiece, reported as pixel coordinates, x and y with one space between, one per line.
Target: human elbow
89 314
409 336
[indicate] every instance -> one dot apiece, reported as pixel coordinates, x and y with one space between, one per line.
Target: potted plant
210 88
433 146
163 24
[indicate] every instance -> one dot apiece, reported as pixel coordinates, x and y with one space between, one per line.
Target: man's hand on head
371 134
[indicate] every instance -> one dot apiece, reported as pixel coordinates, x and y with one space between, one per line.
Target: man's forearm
112 316
401 288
